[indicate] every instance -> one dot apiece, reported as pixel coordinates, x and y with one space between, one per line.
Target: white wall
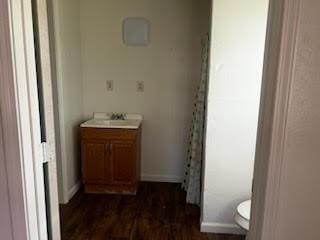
70 95
238 40
169 67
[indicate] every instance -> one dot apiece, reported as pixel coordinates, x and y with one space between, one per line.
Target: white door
44 80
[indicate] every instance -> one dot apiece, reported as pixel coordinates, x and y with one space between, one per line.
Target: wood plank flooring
158 212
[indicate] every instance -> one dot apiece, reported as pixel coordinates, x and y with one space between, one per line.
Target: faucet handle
118 116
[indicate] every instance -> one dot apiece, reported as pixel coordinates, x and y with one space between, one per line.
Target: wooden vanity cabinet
110 160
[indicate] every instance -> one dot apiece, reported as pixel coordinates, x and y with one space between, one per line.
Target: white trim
63 158
23 54
13 187
161 178
221 228
73 190
41 20
278 75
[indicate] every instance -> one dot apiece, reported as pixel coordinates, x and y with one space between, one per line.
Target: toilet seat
242 216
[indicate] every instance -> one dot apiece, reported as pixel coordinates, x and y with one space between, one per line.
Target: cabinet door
123 162
94 162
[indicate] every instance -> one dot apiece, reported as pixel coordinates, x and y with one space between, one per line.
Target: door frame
53 12
24 153
49 147
16 225
278 75
20 123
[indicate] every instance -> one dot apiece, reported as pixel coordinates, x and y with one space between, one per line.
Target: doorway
81 56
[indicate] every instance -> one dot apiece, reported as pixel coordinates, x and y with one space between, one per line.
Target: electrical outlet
109 85
140 86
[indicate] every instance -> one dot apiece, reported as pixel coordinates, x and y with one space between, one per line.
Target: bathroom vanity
111 154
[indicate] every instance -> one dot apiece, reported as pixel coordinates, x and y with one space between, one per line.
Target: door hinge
45 158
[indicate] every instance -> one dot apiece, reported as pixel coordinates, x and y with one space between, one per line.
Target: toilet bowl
242 216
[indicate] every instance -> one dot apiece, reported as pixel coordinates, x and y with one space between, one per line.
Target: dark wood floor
158 212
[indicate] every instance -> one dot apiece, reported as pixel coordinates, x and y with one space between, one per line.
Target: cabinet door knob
111 147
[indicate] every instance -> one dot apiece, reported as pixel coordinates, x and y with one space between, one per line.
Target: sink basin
107 123
114 122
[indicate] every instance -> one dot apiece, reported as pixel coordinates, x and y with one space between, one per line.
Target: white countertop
102 120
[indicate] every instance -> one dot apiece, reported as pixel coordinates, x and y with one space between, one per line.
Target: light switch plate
140 86
109 85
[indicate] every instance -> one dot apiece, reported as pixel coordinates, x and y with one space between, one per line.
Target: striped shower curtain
193 168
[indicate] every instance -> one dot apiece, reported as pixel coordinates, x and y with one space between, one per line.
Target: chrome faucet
118 116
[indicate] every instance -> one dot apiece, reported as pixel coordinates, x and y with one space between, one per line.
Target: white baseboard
148 178
222 228
161 178
73 190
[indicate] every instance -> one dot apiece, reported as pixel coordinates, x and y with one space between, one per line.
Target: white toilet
242 216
